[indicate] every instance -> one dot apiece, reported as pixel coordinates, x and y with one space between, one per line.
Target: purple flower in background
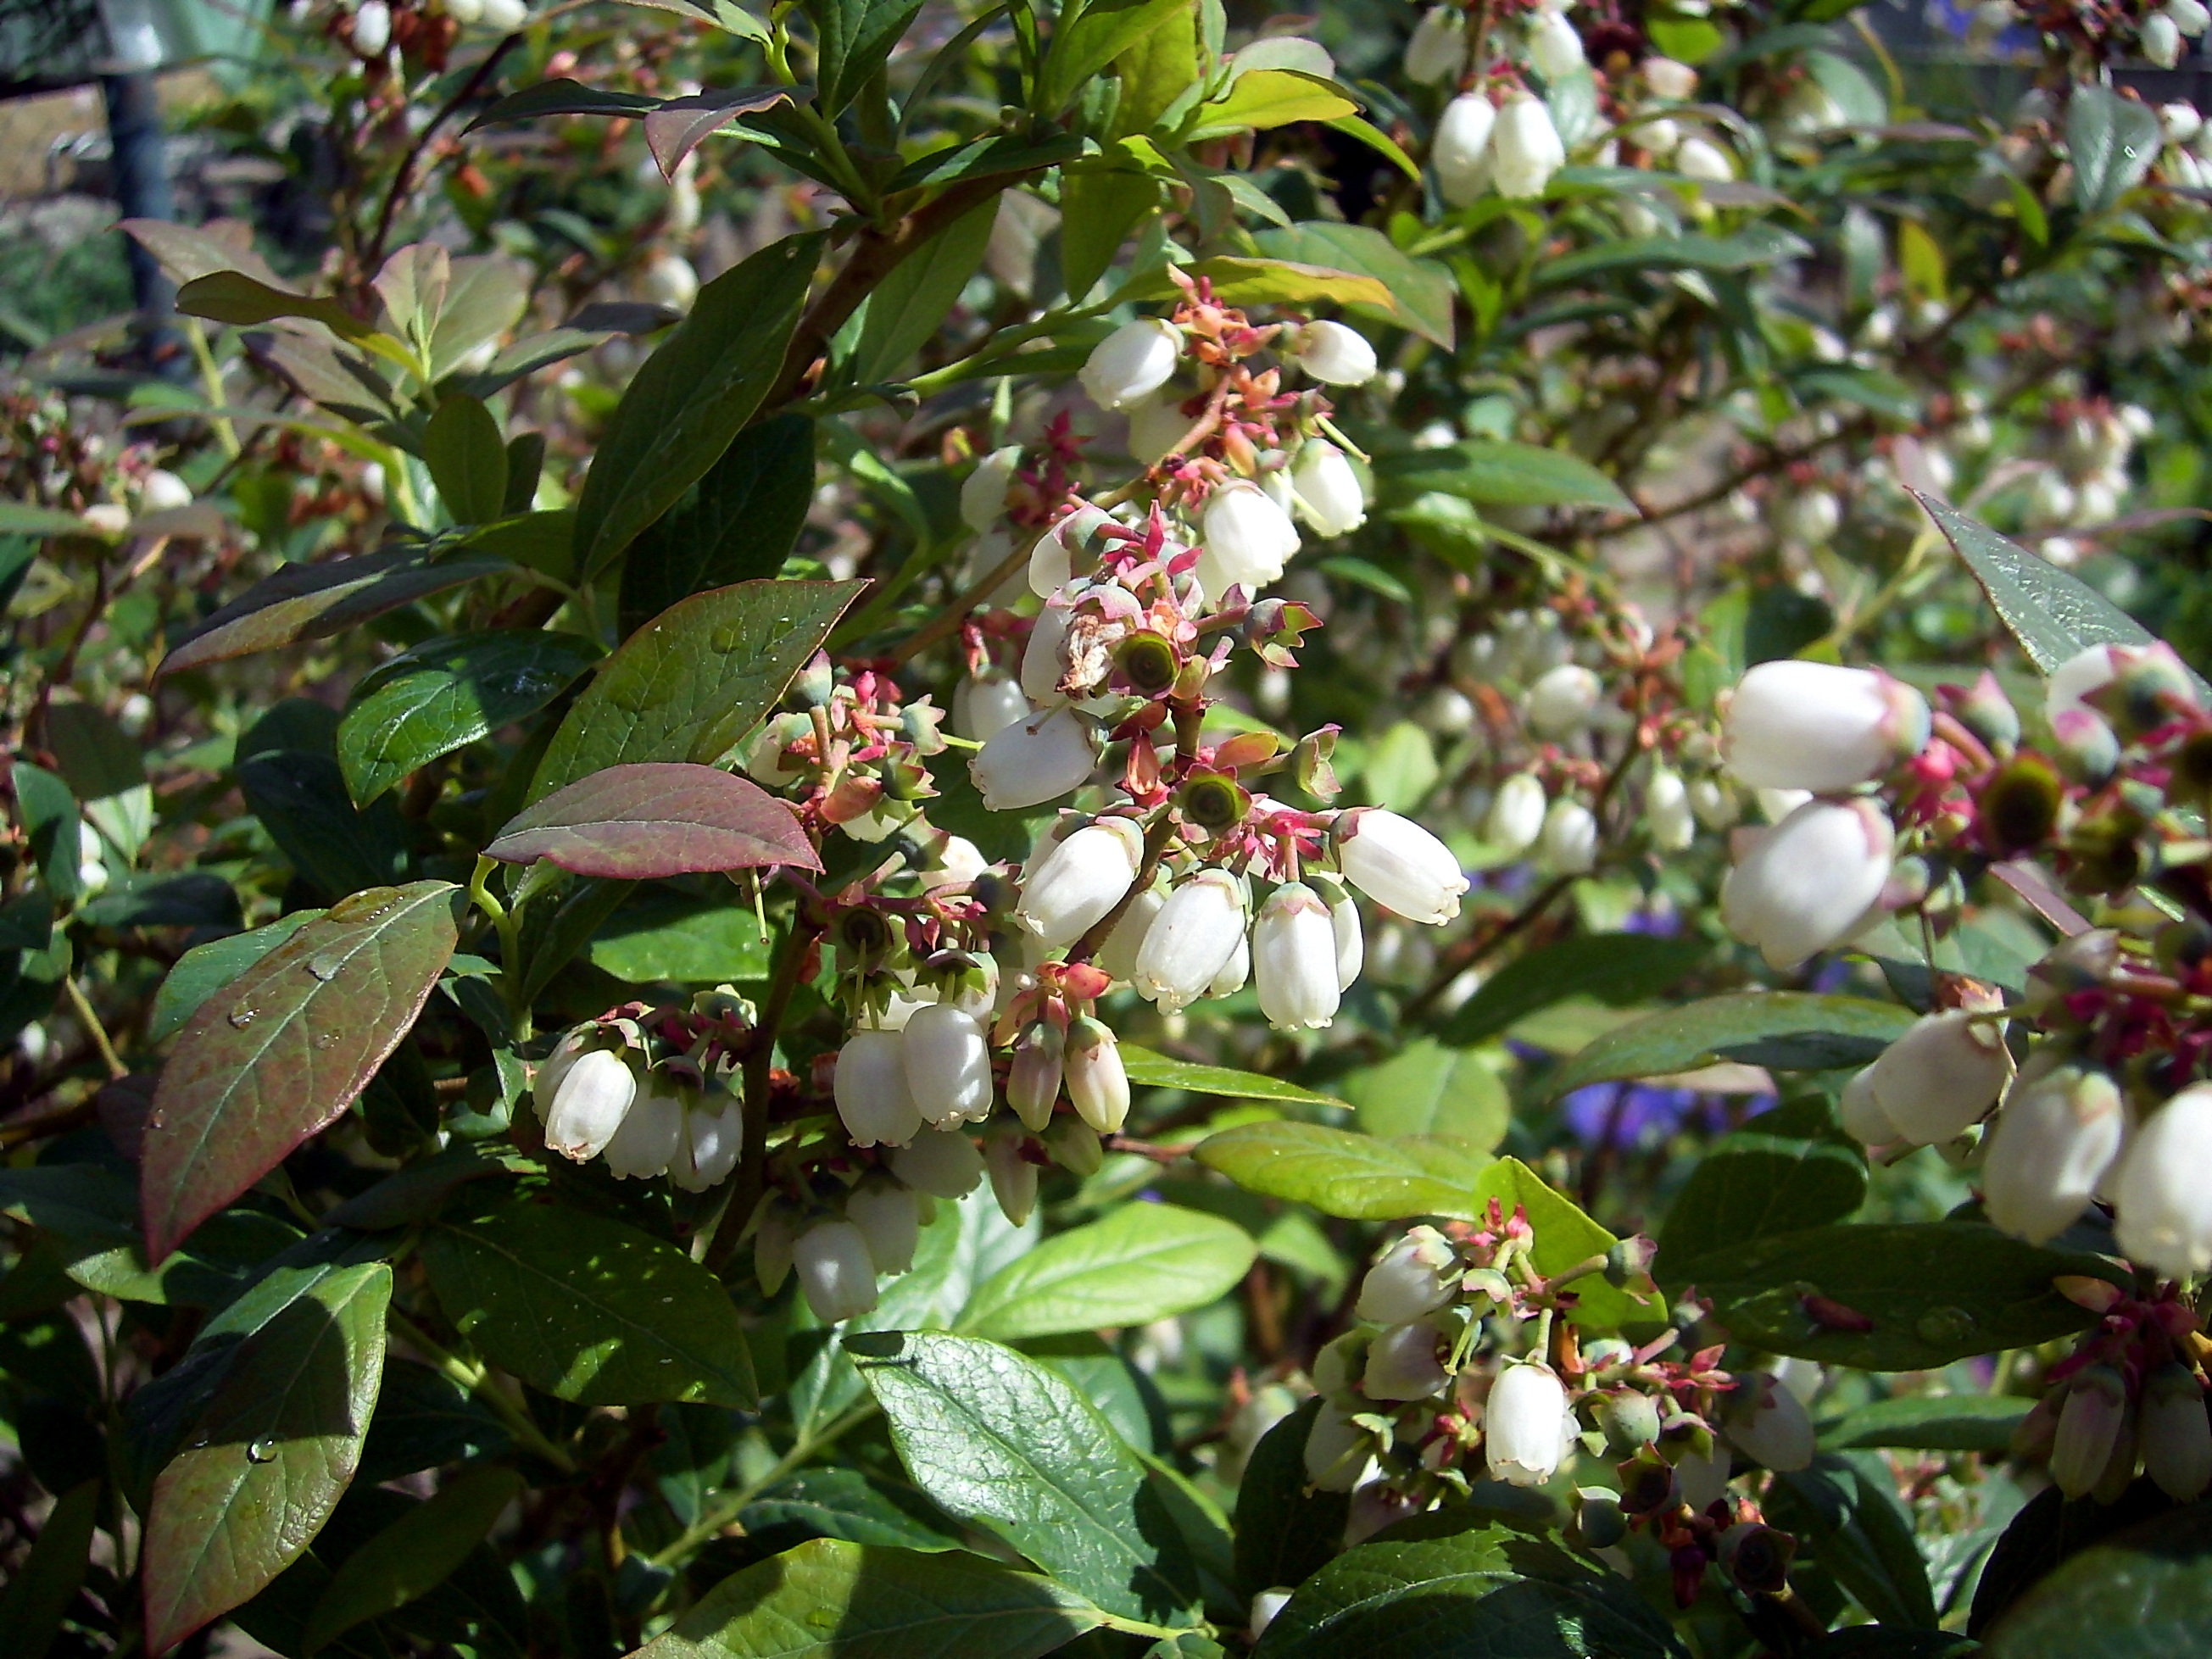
1626 1115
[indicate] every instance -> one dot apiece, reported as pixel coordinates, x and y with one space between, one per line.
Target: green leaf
467 457
1286 1529
1565 1238
105 770
1699 1033
737 524
694 679
1786 1170
854 38
665 937
692 396
1266 98
1142 1262
1001 1442
1930 1422
562 96
47 1580
2145 1591
280 1052
209 967
268 1457
1897 1296
1463 1586
2053 616
1160 1071
641 822
232 296
2112 142
587 1308
1239 280
414 1555
424 1418
833 1600
1616 969
834 1502
300 796
910 305
1090 35
447 693
1427 1089
1846 1509
1491 472
1747 249
1340 1173
1099 207
1155 73
1401 768
1422 293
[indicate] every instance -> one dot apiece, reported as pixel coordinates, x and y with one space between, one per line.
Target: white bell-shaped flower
1247 540
1769 1424
944 1163
1340 1454
505 15
1044 658
1013 1177
1667 810
1524 1425
1525 150
948 1065
1516 813
1399 864
986 704
1940 1077
1814 725
2090 1424
372 27
1235 974
834 1272
1569 844
1808 882
2160 37
1404 1362
1334 353
873 1101
1097 1081
1329 495
1351 942
983 492
2061 1127
1437 53
1461 148
1134 361
1554 46
775 1239
2162 1190
890 1221
1675 82
1035 760
1416 1277
714 1136
1294 958
1117 954
588 1105
1700 158
163 491
955 862
1860 1109
1191 940
644 1146
1562 700
1076 885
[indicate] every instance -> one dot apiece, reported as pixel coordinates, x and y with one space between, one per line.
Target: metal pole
140 175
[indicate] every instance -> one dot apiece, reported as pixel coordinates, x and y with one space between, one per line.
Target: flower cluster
648 1090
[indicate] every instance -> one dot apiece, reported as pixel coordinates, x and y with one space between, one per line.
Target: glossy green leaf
1239 280
105 770
1494 472
1099 208
466 454
737 524
854 38
1427 1089
1266 98
1786 1170
842 1502
2112 142
232 296
1930 1422
1565 1238
269 1456
833 1600
45 1582
562 96
692 396
910 305
1141 1262
665 937
1286 1529
283 1049
1899 1297
1090 35
1338 1172
1845 1509
1699 1033
1460 1586
587 1308
415 1554
1619 968
336 846
1002 1442
1160 1071
448 693
206 968
1753 247
1423 295
694 679
641 822
424 1418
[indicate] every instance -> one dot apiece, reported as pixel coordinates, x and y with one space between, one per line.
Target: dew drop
243 1014
156 1120
364 906
327 1041
261 1451
1943 1325
324 965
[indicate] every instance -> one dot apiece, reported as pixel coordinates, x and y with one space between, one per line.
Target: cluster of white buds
1511 148
2187 159
1813 879
646 1091
2084 478
2161 34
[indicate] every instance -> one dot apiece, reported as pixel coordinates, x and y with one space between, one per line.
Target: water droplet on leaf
262 1452
244 1014
364 906
327 1041
324 965
1943 1325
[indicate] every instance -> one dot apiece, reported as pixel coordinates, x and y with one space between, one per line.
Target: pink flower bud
1814 726
873 1101
2061 1128
2089 1425
948 1065
1524 1425
2163 1189
1135 360
1196 934
1097 1082
1036 760
1033 1082
1080 880
1808 883
1399 864
834 1272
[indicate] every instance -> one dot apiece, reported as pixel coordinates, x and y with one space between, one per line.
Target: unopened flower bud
1700 158
1525 149
1461 148
873 1101
1756 1558
371 29
1335 353
983 492
1675 82
1191 941
1117 953
644 1146
1808 882
2089 1425
163 491
2176 1432
1563 700
943 1164
1013 1177
1097 1082
1667 810
1942 1075
1294 958
2162 1190
1351 943
1860 1108
1524 1425
1033 1081
1814 726
1247 539
1554 48
1329 497
1035 760
948 1065
1517 812
1075 1147
1264 1606
1437 51
1768 1425
1404 1363
2061 1127
1339 1455
588 1105
890 1221
1598 1521
2160 39
1416 1278
1399 864
834 1272
714 1136
1136 359
986 705
1074 885
1569 843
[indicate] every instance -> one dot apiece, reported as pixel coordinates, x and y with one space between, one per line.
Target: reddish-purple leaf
282 1049
682 124
314 601
656 818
